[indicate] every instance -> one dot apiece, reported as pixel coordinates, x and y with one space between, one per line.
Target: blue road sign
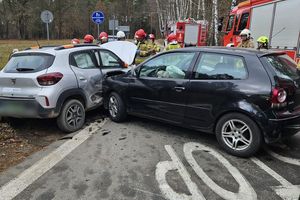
98 17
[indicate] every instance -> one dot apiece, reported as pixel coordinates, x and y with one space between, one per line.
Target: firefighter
88 39
103 38
143 51
152 44
263 43
246 39
172 42
121 36
75 41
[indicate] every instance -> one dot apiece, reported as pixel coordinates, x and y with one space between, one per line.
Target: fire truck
276 19
190 32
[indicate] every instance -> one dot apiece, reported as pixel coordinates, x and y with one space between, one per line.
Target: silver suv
56 82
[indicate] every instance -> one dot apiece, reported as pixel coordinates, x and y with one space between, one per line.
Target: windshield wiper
23 69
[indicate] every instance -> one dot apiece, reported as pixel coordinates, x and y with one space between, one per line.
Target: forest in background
20 19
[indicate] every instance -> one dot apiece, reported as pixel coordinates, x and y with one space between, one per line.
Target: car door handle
179 89
82 78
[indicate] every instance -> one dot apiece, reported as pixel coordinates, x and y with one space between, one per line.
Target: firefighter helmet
121 35
263 39
103 36
75 41
246 32
140 34
172 37
152 36
88 38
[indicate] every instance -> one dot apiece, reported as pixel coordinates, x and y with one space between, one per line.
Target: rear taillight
279 96
49 79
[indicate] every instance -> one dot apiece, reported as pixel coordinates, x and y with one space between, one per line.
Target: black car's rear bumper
282 127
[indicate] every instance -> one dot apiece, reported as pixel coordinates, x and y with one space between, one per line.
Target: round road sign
47 16
98 17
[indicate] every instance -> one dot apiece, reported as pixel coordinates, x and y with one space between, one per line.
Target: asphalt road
142 159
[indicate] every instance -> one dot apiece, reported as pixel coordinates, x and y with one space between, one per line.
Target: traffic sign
113 25
98 17
47 16
124 28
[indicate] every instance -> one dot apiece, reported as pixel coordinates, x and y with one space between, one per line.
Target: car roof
231 50
54 50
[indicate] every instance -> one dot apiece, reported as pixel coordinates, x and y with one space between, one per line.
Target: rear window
28 63
284 66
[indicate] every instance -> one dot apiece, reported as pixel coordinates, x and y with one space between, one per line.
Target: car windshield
28 63
283 66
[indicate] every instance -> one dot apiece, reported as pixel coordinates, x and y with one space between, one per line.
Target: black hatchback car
244 96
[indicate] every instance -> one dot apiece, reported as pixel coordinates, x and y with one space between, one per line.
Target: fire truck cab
276 19
190 32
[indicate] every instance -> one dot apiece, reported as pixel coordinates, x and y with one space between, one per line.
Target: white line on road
292 161
245 191
175 165
287 190
27 177
270 171
147 192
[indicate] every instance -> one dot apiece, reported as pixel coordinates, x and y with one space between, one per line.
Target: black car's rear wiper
23 69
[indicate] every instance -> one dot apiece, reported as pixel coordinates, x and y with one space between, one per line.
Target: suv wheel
116 108
238 135
72 116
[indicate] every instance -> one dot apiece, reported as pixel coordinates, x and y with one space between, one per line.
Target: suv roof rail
68 46
41 47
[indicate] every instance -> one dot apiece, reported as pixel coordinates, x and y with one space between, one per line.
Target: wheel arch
253 117
71 94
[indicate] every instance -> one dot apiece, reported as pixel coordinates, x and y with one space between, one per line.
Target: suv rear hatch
18 79
287 78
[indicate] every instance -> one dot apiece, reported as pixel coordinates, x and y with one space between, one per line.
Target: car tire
238 135
116 108
72 116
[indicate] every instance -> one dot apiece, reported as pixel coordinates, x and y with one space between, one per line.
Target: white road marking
27 177
147 192
292 161
161 171
287 190
246 191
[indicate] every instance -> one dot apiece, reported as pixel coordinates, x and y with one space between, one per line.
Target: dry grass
6 47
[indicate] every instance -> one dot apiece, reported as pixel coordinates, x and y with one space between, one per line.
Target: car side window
170 66
109 60
97 56
84 60
220 67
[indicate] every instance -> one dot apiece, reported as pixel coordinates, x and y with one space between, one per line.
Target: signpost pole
114 26
47 25
98 29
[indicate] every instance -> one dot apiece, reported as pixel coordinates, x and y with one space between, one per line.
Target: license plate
11 90
13 108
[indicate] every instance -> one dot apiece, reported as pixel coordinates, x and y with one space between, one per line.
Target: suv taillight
49 79
279 96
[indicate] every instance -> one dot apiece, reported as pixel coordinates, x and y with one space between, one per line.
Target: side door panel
217 81
160 90
88 74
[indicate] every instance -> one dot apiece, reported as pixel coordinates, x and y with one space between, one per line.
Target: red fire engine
190 32
276 19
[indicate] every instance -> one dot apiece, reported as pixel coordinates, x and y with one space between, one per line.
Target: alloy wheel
237 134
113 106
74 115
